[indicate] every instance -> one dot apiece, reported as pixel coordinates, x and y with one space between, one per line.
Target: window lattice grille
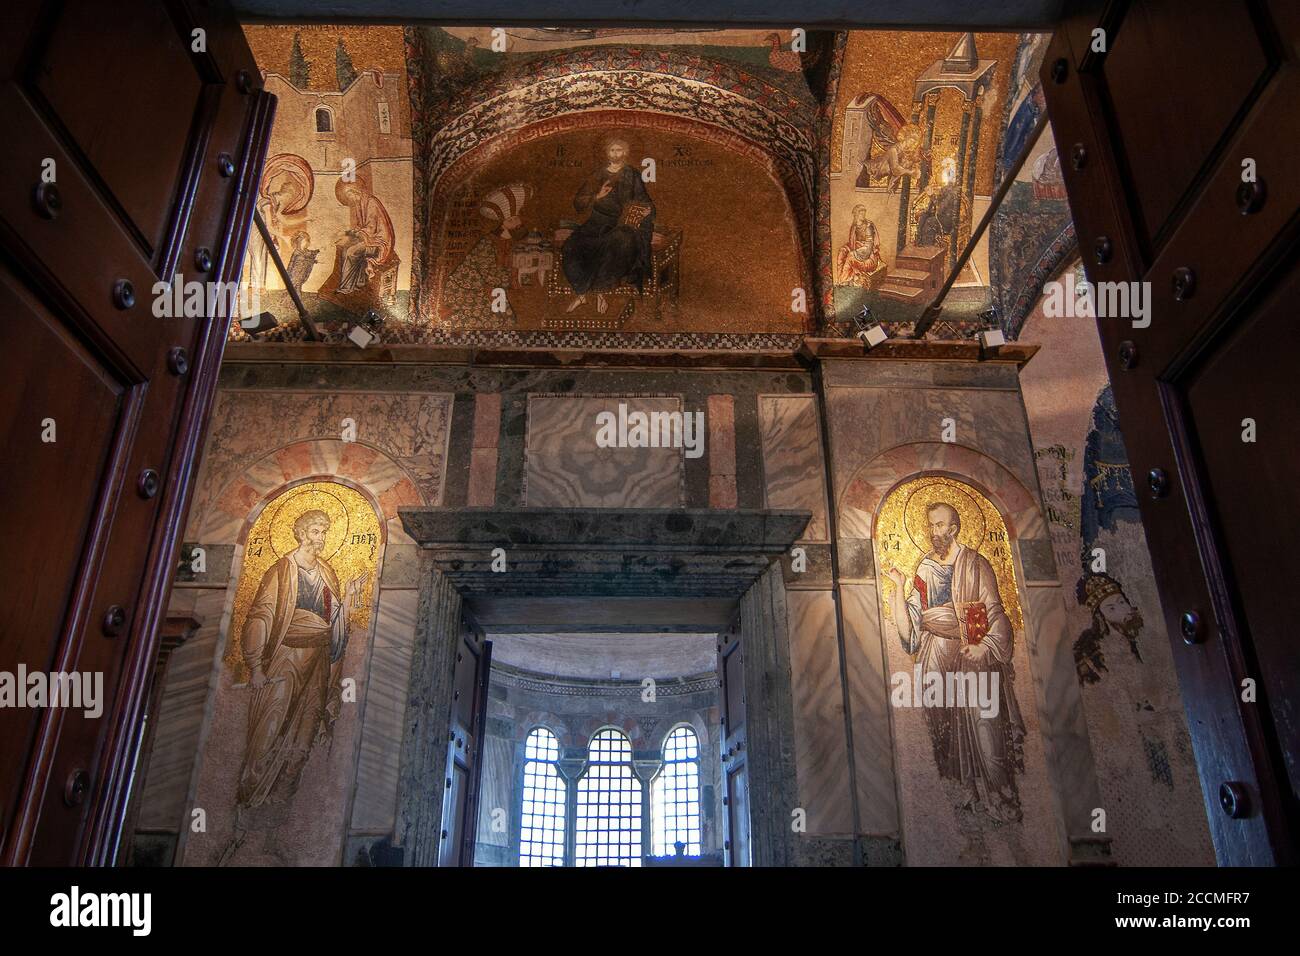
609 805
541 825
676 795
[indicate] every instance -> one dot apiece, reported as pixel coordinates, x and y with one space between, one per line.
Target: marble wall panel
722 451
1065 732
821 751
792 458
375 799
165 792
483 453
867 421
564 467
873 752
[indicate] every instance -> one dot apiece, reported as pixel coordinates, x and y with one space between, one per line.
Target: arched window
609 805
324 120
541 824
676 795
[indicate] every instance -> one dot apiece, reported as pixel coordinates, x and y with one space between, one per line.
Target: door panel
152 147
465 746
474 786
1218 512
1162 150
52 379
735 774
1252 486
116 141
737 854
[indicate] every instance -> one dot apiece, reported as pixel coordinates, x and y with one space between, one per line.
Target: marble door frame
653 560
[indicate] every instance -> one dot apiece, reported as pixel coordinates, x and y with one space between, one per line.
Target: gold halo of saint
352 546
311 497
921 497
902 534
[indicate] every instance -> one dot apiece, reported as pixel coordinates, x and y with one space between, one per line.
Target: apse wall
521 701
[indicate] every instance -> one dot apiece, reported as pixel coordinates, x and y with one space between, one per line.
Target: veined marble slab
792 458
565 468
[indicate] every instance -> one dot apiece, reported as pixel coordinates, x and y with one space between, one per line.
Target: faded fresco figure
293 643
1111 609
1109 499
612 247
953 621
1127 699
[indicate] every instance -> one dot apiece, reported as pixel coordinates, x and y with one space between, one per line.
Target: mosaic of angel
901 150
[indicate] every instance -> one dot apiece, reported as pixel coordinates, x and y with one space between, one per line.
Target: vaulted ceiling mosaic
629 188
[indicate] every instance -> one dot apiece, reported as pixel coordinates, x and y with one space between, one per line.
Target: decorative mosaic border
591 339
649 59
1049 263
825 257
624 90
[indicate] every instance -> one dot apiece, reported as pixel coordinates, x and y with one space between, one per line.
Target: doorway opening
601 749
620 688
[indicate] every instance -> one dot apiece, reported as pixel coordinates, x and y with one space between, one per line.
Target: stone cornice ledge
688 530
812 349
917 350
315 353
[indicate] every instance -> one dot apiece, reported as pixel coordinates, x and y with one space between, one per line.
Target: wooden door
134 138
465 746
735 775
1178 144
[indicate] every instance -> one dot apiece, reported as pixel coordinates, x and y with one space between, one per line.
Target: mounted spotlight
992 338
867 330
367 330
872 336
864 319
360 336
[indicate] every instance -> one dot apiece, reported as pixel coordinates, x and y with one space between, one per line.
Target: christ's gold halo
915 514
294 503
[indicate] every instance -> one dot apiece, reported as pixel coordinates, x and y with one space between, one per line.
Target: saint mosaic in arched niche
948 584
304 592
